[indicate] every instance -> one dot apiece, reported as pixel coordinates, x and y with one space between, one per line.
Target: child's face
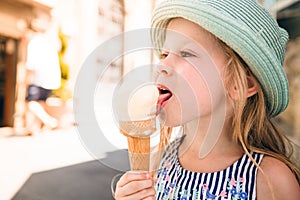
190 68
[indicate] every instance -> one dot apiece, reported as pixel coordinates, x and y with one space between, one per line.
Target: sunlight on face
190 67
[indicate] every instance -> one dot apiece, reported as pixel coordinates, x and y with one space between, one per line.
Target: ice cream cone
137 121
138 138
139 153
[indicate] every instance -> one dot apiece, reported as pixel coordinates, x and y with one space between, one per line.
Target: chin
172 120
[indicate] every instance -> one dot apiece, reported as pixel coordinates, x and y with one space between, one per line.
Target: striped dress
238 181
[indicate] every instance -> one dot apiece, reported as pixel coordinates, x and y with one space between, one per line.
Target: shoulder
281 179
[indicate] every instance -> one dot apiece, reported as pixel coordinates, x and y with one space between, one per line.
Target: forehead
190 32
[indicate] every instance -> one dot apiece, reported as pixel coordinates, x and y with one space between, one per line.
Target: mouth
164 95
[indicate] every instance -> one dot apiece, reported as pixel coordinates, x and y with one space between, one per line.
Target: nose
167 65
163 69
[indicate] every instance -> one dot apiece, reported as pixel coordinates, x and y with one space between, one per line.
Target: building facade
85 23
17 17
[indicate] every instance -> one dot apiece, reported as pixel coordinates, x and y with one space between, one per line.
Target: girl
230 149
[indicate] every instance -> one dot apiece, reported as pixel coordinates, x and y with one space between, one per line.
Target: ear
252 89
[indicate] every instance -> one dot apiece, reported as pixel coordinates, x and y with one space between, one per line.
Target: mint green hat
247 28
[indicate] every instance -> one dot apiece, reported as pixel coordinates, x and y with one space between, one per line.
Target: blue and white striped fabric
238 181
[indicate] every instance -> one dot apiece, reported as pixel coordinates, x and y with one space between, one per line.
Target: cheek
204 98
192 97
208 88
199 89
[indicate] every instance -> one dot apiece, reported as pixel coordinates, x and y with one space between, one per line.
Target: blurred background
75 28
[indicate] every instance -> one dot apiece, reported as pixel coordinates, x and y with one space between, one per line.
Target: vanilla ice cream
142 103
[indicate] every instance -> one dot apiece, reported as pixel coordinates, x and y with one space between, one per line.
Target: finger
150 198
146 194
135 187
132 176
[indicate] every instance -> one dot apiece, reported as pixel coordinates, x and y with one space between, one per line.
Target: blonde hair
252 127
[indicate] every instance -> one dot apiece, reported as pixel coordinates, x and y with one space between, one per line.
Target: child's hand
135 185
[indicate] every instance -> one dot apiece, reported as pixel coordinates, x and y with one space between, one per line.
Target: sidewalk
20 156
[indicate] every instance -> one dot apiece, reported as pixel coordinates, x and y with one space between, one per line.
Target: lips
164 95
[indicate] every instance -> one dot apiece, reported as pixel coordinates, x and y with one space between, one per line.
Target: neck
208 138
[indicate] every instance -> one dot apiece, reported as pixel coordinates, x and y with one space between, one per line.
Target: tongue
162 98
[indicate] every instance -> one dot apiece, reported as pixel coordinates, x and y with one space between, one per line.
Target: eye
163 55
186 54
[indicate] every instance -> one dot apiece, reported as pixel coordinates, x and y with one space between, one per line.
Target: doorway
8 63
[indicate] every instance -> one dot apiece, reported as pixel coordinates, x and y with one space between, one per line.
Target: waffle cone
138 138
139 153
